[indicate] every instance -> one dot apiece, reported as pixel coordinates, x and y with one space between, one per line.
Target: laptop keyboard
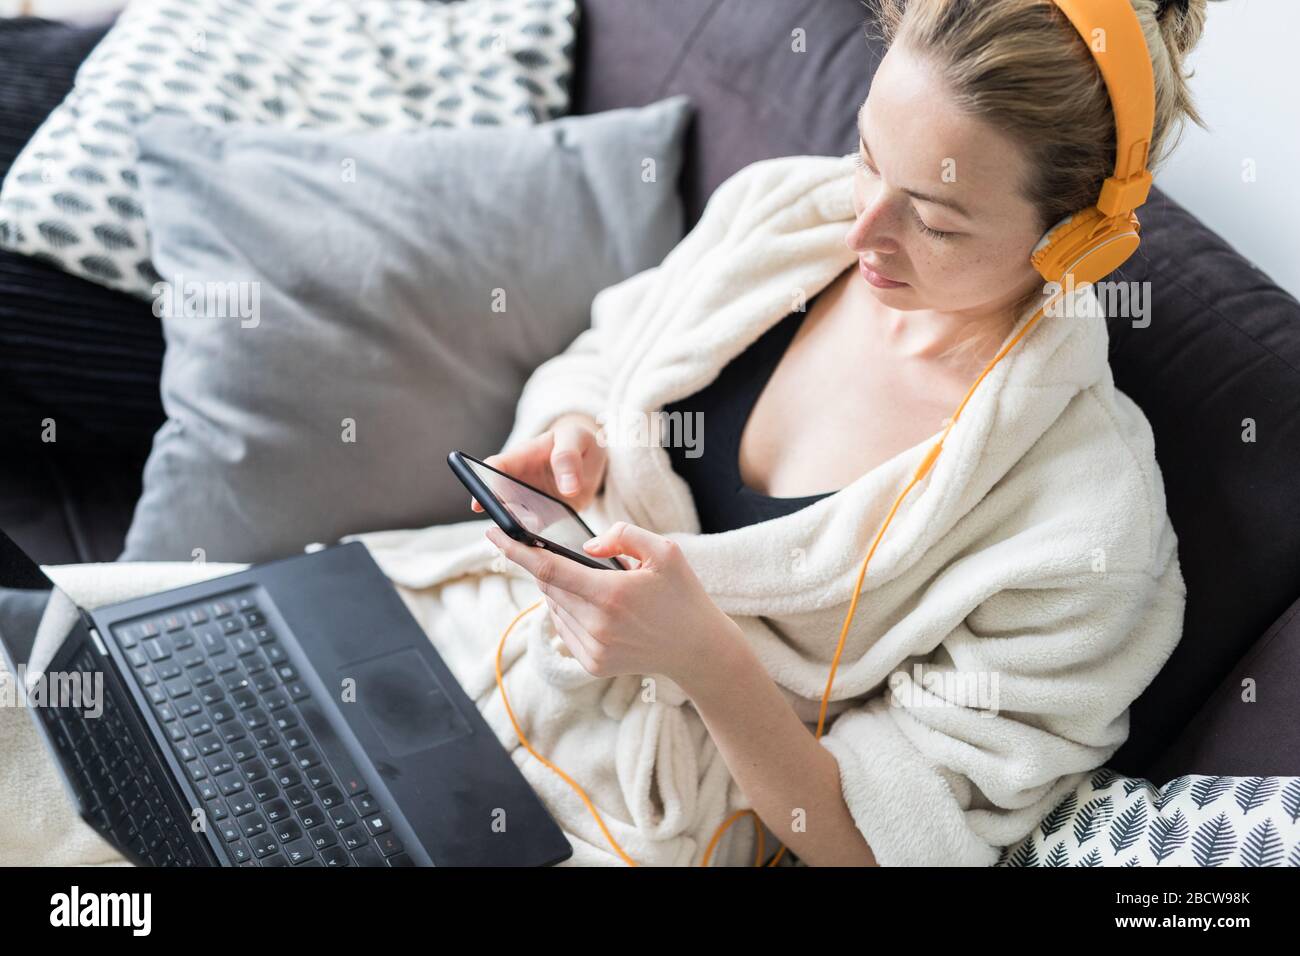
278 785
124 789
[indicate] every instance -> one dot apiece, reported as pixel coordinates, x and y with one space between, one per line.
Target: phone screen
540 514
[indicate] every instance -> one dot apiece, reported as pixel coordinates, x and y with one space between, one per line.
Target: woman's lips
876 279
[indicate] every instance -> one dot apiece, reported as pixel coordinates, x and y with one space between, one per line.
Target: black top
722 499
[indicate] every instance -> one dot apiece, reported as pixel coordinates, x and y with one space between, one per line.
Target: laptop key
353 836
265 682
198 726
287 777
334 856
388 844
311 816
322 837
307 759
231 783
242 750
263 845
365 804
342 817
400 859
367 856
298 852
211 694
286 831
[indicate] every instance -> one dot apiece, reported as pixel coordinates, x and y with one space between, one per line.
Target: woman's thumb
566 461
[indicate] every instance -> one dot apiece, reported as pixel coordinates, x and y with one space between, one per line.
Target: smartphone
526 513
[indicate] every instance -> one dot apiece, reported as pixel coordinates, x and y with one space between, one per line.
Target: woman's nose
872 229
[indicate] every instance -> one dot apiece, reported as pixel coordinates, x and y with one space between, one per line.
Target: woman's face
937 198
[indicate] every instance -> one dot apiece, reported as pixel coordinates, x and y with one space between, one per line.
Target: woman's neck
927 335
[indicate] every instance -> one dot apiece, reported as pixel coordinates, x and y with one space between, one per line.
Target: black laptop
292 714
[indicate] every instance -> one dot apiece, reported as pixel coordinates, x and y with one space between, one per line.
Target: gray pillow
342 310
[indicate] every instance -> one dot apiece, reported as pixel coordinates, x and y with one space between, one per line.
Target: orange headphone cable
926 463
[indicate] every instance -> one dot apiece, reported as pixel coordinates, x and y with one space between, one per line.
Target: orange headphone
1083 248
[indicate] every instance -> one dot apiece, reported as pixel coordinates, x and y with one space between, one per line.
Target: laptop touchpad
404 703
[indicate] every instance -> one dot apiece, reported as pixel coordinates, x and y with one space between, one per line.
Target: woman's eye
920 223
932 233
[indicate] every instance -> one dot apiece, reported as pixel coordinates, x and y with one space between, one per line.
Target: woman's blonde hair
1023 67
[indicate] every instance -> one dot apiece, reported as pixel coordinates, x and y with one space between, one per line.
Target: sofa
1222 351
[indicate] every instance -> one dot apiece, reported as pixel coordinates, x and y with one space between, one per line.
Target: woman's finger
577 647
546 567
566 458
625 538
576 626
577 610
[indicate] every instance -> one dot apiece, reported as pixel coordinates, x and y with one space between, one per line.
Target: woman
1035 563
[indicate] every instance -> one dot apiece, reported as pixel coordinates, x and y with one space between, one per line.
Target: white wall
1247 87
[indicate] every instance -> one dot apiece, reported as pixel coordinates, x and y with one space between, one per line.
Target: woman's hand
653 619
567 461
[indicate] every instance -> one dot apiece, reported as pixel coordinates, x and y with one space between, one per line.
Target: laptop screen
25 594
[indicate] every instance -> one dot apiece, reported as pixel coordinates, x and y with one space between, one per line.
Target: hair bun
1166 5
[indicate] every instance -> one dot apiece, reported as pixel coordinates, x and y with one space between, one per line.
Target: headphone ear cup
1087 246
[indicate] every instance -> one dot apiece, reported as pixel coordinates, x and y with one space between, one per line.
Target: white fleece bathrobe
1034 564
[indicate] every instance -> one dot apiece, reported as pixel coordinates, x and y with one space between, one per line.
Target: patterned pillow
1194 820
72 196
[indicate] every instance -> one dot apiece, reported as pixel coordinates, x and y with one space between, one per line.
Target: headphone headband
1111 30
